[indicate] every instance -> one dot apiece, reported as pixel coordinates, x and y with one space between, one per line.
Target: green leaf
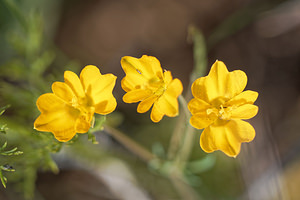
2 109
3 179
7 168
3 128
158 149
12 152
202 165
3 146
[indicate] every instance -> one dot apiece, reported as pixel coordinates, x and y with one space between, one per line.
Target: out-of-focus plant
24 76
4 152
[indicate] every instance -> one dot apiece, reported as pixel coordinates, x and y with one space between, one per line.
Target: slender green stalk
176 138
178 133
187 145
130 144
183 103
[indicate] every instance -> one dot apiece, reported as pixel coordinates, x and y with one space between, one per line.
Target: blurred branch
129 144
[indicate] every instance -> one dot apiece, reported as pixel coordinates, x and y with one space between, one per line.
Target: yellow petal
136 95
199 89
98 87
83 122
245 111
236 83
198 106
133 80
216 80
156 115
147 66
56 117
139 71
168 105
202 120
72 80
107 106
220 85
88 76
174 88
146 104
246 97
63 91
226 136
167 77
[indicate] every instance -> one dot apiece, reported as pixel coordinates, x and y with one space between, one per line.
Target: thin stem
183 189
187 145
178 132
183 103
130 144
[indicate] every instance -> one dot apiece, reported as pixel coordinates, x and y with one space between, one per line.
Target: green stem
183 103
187 145
130 144
178 132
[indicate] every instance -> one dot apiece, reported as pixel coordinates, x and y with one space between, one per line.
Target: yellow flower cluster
218 106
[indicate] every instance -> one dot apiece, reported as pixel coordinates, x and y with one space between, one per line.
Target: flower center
83 105
224 113
221 112
157 85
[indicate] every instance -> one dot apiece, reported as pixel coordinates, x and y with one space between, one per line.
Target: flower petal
202 120
167 77
199 90
83 123
198 106
174 88
245 111
168 105
72 80
236 83
107 106
156 115
56 117
137 95
220 85
147 66
139 71
63 91
246 97
88 76
216 80
97 86
226 136
146 104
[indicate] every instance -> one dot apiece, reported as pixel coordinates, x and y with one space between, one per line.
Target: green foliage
23 77
4 152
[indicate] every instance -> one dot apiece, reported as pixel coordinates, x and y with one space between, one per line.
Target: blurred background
41 39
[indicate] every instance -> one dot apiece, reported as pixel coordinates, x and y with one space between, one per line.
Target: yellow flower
71 106
219 107
146 82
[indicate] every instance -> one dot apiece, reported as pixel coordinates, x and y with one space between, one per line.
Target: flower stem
130 144
183 103
187 145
